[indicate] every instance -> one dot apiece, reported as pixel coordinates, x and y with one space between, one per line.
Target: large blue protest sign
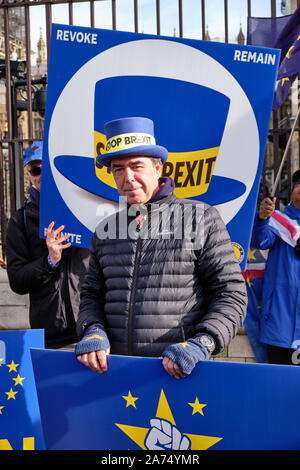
137 405
20 422
210 103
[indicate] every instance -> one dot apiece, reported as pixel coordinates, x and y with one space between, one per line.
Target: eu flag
20 423
265 31
281 33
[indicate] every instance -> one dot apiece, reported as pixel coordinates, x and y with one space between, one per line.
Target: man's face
295 196
136 178
34 173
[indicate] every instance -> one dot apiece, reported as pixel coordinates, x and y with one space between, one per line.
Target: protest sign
20 423
210 103
136 405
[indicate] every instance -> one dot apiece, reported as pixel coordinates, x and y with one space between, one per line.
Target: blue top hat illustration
194 121
130 136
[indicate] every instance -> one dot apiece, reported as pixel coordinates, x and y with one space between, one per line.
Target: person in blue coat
280 316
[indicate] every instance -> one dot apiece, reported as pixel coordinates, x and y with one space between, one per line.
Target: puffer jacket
148 292
53 293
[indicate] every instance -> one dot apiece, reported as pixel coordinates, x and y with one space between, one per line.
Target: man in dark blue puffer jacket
163 279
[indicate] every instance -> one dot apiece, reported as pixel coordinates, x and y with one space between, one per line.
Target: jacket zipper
132 295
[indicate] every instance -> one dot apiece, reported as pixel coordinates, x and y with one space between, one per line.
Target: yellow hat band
127 141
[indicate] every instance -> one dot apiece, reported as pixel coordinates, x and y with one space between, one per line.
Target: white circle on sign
71 130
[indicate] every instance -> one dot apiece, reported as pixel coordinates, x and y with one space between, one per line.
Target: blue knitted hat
129 137
32 153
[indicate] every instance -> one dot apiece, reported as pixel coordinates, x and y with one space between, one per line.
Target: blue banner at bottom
137 406
20 422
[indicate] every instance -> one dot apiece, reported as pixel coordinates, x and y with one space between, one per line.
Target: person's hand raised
266 208
56 243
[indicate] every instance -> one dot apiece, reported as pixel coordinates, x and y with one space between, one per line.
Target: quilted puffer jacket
150 287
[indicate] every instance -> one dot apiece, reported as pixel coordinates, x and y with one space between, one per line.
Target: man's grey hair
155 160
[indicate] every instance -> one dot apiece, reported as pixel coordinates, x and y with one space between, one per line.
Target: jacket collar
166 187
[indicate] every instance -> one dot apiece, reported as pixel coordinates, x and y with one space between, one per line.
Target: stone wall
13 307
14 316
239 350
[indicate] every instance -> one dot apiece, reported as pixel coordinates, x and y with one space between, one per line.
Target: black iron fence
23 83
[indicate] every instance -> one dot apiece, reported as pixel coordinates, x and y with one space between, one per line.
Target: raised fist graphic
164 436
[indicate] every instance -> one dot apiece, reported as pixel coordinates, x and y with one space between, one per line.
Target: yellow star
1 359
93 336
18 380
249 281
288 54
130 400
284 80
11 394
197 407
12 366
184 345
1 408
138 434
251 254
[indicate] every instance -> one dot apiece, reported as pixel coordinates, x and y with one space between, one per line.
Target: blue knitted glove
187 354
95 339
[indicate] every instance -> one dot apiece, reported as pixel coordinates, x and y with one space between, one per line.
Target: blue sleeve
262 236
92 294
